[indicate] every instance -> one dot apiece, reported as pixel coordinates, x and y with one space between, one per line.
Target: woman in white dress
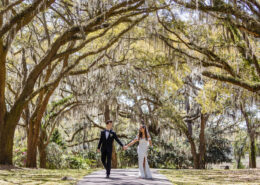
144 139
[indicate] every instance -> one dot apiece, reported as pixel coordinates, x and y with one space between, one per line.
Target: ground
213 177
25 176
123 177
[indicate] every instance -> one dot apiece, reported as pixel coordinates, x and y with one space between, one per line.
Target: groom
106 140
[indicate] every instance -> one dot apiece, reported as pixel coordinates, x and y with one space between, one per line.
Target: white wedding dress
144 172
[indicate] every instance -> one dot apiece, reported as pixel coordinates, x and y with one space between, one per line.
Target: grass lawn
213 177
40 176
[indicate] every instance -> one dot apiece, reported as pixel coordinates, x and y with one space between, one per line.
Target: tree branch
24 17
232 80
10 6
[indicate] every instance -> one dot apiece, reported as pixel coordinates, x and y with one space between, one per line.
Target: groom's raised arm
117 140
100 141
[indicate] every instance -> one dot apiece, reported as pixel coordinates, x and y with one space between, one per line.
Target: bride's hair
145 132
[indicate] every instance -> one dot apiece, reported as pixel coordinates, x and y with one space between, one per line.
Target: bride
144 139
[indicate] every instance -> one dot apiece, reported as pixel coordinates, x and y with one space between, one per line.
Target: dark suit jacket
106 144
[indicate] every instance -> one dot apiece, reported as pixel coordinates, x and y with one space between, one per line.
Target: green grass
41 176
213 177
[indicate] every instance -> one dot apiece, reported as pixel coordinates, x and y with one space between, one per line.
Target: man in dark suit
106 140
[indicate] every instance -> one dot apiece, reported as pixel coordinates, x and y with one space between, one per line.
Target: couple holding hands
106 140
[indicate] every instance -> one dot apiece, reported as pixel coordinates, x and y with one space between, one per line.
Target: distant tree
219 149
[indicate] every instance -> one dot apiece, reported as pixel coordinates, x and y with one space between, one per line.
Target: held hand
98 150
125 147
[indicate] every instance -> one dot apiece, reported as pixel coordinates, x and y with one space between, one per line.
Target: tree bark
43 157
188 133
194 154
2 83
202 146
31 152
238 162
107 112
7 128
114 155
5 157
42 149
6 143
32 142
251 134
252 158
198 157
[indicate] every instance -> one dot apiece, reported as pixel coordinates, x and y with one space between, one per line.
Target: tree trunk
193 150
252 157
188 133
202 146
251 134
198 158
107 112
238 162
31 159
42 153
114 155
35 123
43 157
193 147
3 53
32 143
6 143
6 129
42 146
195 156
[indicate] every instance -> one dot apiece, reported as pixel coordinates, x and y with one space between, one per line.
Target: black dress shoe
107 176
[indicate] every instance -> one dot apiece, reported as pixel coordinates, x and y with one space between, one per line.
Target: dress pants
106 160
